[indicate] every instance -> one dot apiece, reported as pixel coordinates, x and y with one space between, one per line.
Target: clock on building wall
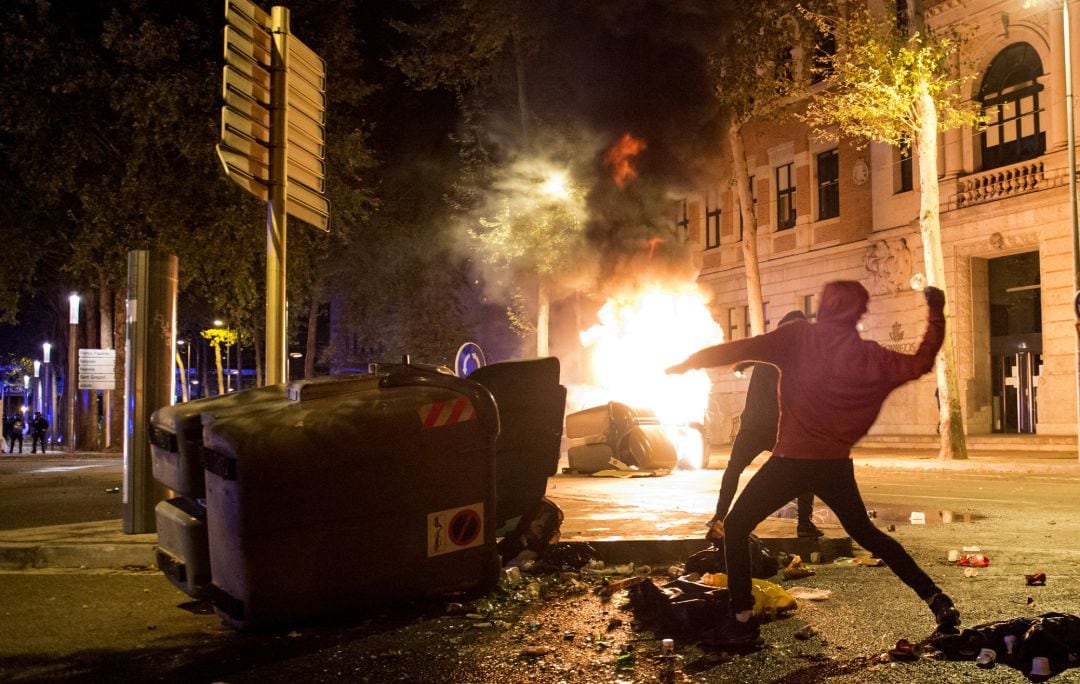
860 171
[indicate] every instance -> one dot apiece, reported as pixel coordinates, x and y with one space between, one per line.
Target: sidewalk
599 511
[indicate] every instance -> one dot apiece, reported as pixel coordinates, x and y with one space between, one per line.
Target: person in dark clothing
38 426
832 386
15 433
757 433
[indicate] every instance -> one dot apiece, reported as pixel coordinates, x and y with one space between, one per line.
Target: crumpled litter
796 570
809 594
769 598
973 560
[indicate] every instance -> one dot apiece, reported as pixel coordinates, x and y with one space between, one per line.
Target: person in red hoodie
832 386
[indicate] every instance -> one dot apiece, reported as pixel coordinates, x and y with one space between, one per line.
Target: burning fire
620 158
640 333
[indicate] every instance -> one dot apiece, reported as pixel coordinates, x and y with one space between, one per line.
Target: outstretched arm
768 348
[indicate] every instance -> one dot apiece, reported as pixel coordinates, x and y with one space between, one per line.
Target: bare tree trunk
86 415
105 335
116 401
312 330
749 236
950 418
257 346
543 317
183 377
217 365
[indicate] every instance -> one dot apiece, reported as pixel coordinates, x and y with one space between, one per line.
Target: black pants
14 437
748 444
833 481
38 438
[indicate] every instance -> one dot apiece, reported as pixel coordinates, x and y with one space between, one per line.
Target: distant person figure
832 386
38 426
8 420
16 435
757 433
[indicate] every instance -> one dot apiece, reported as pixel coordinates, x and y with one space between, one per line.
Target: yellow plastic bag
769 599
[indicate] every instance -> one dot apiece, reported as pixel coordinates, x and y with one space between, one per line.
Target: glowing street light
49 397
71 382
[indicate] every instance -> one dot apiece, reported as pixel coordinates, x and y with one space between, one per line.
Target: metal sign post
149 378
273 130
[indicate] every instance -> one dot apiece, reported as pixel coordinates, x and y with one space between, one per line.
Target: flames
641 331
620 159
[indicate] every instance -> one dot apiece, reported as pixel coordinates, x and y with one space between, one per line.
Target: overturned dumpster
615 435
328 496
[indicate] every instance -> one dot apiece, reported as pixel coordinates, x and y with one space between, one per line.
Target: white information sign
97 369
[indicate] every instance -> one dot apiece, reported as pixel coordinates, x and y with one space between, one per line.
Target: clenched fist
935 298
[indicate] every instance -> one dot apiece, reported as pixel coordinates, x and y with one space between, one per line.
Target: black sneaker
809 530
945 613
733 634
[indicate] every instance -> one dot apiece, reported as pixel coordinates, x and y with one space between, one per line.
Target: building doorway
1015 342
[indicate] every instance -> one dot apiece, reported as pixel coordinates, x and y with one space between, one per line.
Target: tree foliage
871 88
110 148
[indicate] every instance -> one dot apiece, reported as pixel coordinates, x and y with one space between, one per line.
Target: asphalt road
54 490
134 626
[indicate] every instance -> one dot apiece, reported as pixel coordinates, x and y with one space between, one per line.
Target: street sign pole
276 217
273 135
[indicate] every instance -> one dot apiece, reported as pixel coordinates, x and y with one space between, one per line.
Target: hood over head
843 301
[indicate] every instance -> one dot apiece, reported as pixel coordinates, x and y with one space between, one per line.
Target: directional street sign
273 139
97 369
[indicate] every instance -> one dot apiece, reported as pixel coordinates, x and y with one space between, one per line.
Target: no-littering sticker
455 529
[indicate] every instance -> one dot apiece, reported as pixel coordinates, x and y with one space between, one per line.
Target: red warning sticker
443 413
455 529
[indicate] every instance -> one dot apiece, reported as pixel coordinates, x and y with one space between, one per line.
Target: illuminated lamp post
50 403
71 382
37 391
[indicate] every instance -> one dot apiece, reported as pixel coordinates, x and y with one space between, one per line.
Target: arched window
1010 99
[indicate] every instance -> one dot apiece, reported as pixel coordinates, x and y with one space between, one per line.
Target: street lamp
50 406
37 377
70 384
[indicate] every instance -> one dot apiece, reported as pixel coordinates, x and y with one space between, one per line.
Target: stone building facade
829 210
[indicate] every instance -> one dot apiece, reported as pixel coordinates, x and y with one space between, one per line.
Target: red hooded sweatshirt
832 382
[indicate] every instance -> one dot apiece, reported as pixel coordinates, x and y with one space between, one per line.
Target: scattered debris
904 650
805 633
1037 579
796 569
1047 644
536 651
918 518
809 594
973 560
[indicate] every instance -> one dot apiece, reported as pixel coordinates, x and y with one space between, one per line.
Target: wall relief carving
889 264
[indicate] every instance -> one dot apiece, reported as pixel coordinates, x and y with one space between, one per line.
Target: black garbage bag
1055 636
763 564
564 557
534 531
690 610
